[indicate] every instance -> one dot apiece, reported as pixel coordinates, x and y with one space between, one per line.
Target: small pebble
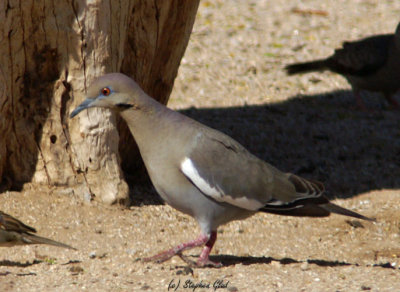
304 266
276 264
131 251
185 271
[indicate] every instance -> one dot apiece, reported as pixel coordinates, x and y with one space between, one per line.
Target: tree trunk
50 52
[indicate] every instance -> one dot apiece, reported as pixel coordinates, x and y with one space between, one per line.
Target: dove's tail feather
318 65
333 208
313 203
310 210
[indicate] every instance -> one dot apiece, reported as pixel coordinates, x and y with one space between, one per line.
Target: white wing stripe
191 172
216 193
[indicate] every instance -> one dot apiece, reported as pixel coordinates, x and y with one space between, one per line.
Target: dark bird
14 232
372 64
203 172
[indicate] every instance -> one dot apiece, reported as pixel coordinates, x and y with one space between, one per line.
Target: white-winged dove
372 64
203 172
14 232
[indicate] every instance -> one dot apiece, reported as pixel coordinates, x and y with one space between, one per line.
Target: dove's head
115 91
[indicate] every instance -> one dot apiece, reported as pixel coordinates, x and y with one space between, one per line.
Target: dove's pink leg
203 259
208 240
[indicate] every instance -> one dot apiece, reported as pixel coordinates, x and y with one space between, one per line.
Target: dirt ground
231 78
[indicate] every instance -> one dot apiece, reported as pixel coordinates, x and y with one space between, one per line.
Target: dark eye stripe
124 105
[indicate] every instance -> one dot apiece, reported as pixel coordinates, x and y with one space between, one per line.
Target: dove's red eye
106 91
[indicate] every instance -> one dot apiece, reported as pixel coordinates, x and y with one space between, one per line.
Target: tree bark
50 52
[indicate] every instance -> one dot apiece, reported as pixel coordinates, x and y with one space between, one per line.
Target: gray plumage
14 232
372 64
203 172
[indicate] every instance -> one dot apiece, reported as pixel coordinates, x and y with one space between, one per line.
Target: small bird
372 64
203 172
14 232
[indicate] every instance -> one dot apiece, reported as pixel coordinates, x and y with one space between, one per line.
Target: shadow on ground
18 264
319 137
230 260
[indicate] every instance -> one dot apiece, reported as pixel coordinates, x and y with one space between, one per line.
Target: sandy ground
231 78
